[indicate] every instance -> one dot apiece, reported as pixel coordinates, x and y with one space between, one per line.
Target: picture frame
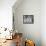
28 19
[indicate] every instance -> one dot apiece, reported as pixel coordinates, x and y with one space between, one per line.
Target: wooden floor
9 43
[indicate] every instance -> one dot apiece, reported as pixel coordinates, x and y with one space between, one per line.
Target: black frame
28 19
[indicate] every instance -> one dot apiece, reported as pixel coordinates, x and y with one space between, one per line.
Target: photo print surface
28 19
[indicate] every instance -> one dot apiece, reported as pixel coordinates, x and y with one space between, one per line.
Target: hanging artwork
28 19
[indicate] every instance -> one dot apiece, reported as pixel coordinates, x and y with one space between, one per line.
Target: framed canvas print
28 19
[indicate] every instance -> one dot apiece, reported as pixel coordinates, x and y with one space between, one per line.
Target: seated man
18 39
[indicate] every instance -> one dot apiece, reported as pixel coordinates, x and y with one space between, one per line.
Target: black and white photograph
28 19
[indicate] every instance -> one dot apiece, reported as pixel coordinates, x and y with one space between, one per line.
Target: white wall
19 11
31 31
6 13
43 22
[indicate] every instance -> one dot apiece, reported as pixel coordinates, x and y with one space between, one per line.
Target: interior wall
30 31
6 13
43 22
